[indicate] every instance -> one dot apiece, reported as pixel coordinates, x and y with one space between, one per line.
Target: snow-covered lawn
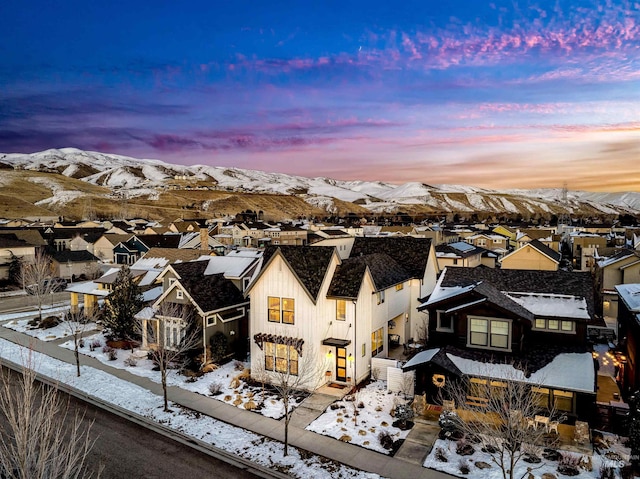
445 449
140 401
228 379
360 418
62 330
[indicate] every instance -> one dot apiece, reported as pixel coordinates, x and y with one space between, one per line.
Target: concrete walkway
348 454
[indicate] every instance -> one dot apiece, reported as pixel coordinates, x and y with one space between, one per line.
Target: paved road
132 452
26 302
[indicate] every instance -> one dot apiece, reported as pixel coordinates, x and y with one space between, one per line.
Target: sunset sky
494 94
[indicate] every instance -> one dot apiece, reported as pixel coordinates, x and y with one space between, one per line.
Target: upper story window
564 326
489 333
380 296
179 294
444 322
341 310
281 310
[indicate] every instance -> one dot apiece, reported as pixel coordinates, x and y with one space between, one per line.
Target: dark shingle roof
347 279
544 249
11 241
73 256
526 281
409 252
160 241
211 292
309 263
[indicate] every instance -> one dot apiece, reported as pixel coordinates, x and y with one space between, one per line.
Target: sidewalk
348 454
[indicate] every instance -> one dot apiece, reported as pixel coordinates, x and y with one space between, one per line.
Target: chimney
204 239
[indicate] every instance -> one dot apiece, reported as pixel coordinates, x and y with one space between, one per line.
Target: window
455 261
565 326
380 296
211 320
281 310
377 344
288 316
445 322
179 294
341 310
563 400
280 358
489 333
541 397
399 287
172 280
274 309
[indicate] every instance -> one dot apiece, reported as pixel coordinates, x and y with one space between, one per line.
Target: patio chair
531 423
553 426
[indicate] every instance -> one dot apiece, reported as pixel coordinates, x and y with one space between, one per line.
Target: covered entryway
341 365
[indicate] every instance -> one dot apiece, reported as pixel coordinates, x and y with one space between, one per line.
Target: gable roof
409 252
173 255
460 249
454 281
385 272
541 248
308 263
67 256
209 292
11 241
30 236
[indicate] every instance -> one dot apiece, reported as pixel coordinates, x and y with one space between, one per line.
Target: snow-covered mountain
141 177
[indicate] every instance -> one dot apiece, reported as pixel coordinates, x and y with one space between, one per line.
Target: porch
567 437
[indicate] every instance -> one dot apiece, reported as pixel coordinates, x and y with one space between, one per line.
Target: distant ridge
144 177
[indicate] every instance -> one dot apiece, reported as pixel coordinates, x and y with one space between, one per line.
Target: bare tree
503 416
170 334
35 274
38 439
76 323
294 370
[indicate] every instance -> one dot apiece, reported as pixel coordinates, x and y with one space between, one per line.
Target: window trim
377 340
561 325
274 362
280 312
179 294
439 326
489 334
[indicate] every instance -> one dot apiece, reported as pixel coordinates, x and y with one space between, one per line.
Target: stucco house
622 267
532 255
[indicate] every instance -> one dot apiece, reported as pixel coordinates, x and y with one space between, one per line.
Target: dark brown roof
544 249
174 254
30 236
210 292
409 252
526 281
309 263
11 241
67 256
347 279
160 241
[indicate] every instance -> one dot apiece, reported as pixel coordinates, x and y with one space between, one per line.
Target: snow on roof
462 246
149 277
145 313
567 371
150 263
87 287
230 266
152 294
245 253
552 305
630 294
421 357
613 259
440 293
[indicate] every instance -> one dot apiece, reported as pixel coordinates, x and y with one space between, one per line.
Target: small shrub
112 353
385 439
489 449
449 421
95 344
49 322
81 343
569 464
215 389
131 361
441 455
403 414
238 366
360 405
606 472
345 438
463 466
463 448
551 454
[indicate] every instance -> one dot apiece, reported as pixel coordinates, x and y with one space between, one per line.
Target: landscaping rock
465 450
568 470
532 459
482 465
551 454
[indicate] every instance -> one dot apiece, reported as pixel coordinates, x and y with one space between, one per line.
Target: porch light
330 354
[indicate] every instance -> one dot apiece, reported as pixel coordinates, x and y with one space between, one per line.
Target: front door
341 364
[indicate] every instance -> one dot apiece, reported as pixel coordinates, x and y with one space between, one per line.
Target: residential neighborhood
421 313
